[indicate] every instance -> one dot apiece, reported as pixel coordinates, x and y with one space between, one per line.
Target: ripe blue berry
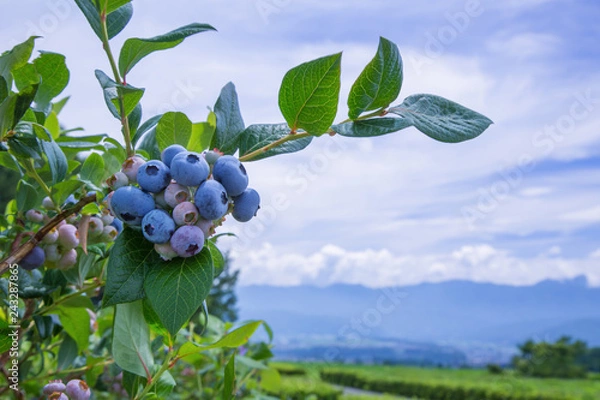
185 213
117 224
130 204
211 200
78 390
175 194
187 241
131 166
54 386
68 236
230 172
189 168
154 176
246 205
207 226
34 259
70 201
158 226
170 152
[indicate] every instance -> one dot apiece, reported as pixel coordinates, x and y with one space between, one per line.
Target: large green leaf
202 133
112 91
235 338
14 107
135 49
258 136
230 124
57 161
112 5
176 289
173 128
92 169
26 196
442 119
379 83
76 322
131 339
371 127
217 258
145 127
130 259
149 145
229 379
115 21
308 97
55 77
15 59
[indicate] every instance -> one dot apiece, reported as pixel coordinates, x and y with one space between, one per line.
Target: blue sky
517 205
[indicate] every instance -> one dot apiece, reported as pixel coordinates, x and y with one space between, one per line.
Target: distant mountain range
442 321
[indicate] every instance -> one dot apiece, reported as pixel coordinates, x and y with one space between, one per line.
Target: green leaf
371 127
14 107
149 145
115 21
153 320
27 196
230 124
258 136
164 386
76 322
112 5
251 363
308 97
15 59
217 258
145 127
112 91
270 380
26 76
130 259
57 161
67 353
442 119
135 49
173 128
202 134
229 379
379 83
60 104
134 119
55 77
52 125
62 190
235 338
4 89
176 289
92 169
131 339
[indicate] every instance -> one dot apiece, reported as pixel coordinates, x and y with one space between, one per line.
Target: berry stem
165 366
113 65
26 247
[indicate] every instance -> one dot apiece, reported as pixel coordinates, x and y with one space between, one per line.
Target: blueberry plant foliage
95 300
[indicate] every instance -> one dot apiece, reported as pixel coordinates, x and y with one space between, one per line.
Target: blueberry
117 224
107 218
51 237
34 259
47 203
246 205
78 390
54 386
119 179
68 259
109 234
131 166
34 216
211 200
230 172
207 226
154 176
159 199
70 201
212 156
158 226
165 251
57 396
170 152
130 204
95 227
185 213
189 168
68 236
187 241
52 253
175 194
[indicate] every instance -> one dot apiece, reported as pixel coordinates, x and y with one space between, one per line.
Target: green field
449 383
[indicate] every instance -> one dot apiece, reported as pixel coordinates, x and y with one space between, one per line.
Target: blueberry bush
109 248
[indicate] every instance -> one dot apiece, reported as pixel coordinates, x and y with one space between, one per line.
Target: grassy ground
580 389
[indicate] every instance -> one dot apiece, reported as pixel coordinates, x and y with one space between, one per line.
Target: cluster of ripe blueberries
180 199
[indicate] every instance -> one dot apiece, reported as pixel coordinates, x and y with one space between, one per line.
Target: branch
26 247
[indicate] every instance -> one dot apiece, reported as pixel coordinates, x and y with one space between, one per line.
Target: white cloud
380 268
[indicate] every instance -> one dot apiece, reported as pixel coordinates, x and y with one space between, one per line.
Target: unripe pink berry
207 227
34 216
68 259
47 203
175 194
119 179
78 390
95 227
109 234
185 213
68 236
52 253
131 166
107 218
165 251
54 386
51 237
